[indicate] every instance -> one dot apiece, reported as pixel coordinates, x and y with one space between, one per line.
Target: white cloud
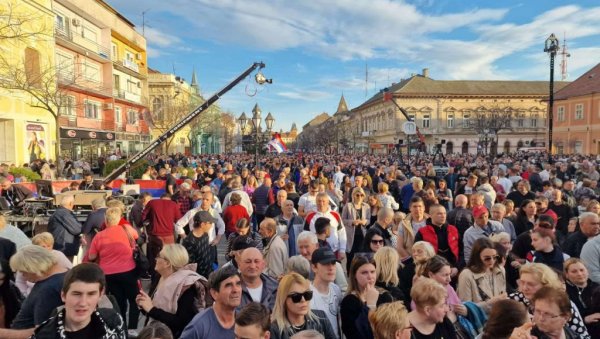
159 38
305 95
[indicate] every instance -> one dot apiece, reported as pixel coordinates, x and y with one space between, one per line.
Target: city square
387 169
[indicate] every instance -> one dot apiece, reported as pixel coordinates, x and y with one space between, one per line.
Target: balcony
70 80
129 67
126 95
65 37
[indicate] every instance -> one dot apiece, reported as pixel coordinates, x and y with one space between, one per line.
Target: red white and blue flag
277 144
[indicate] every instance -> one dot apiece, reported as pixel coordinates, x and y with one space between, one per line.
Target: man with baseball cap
482 227
326 294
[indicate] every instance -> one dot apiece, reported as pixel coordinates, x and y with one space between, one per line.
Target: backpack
204 299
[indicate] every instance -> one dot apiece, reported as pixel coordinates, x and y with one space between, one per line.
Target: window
132 117
450 120
91 72
466 117
114 53
131 86
560 113
426 121
578 111
116 82
157 109
65 67
92 109
32 66
534 120
68 106
520 120
60 22
89 34
117 114
129 56
578 147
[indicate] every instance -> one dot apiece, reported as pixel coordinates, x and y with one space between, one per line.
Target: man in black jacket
589 227
15 195
65 228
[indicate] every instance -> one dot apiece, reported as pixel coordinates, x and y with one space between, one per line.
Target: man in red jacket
443 237
162 214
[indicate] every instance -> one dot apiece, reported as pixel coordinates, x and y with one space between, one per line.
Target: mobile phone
139 285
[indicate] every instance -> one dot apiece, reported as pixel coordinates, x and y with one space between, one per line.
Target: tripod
438 151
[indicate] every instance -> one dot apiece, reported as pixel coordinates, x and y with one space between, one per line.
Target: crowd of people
318 246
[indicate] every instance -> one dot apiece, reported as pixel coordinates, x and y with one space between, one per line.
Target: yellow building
26 132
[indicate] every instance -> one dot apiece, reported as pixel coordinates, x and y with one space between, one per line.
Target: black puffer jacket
107 324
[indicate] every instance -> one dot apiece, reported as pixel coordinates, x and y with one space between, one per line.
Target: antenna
366 79
564 55
144 22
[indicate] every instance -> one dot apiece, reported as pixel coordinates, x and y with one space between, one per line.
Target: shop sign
73 133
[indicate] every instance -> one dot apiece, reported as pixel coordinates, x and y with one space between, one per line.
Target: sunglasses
377 242
297 297
495 258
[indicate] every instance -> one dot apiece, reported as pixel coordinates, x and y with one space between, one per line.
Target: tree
228 123
21 25
490 122
47 85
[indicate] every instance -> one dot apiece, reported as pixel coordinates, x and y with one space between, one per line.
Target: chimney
426 72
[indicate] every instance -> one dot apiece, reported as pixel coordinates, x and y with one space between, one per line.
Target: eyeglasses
297 297
544 315
377 242
495 258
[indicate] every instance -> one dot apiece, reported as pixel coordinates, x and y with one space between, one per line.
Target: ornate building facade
464 116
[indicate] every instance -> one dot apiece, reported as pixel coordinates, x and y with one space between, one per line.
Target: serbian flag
387 95
277 144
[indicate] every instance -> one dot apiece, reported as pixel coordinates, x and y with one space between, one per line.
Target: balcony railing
67 34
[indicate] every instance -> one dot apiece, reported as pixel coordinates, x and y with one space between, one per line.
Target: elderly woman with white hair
38 266
307 243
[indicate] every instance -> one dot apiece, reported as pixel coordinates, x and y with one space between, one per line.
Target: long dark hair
368 237
11 297
475 263
504 317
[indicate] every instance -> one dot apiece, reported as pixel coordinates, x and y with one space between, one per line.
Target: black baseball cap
323 255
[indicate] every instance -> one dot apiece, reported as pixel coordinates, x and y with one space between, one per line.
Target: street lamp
551 47
256 125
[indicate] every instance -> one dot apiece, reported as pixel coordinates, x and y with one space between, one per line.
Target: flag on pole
277 143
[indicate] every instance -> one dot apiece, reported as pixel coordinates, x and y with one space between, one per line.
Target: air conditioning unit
108 105
76 22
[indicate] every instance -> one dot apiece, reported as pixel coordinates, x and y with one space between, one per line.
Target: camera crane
260 79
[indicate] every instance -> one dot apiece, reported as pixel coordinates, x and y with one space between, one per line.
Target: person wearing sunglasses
362 297
292 312
483 281
355 216
374 240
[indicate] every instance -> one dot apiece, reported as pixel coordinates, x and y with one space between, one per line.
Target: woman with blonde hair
414 266
387 263
251 185
584 293
384 196
375 205
390 321
356 216
174 300
534 276
429 318
292 313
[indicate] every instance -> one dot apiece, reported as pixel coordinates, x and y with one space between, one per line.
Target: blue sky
316 50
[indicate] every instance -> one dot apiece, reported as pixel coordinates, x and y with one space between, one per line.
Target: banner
36 141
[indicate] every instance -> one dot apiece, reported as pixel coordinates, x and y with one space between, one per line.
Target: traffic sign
409 128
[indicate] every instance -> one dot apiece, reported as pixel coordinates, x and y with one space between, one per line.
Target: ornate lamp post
551 47
256 125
